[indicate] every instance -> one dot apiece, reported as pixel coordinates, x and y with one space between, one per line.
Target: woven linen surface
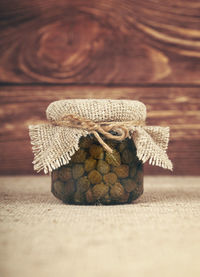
53 145
157 236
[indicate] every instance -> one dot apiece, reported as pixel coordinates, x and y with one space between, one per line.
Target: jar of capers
95 176
95 149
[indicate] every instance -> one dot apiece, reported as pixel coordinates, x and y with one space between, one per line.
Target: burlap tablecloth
157 236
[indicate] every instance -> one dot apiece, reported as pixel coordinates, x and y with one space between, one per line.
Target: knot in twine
121 129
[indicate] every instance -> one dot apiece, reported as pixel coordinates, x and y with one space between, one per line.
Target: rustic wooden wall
133 49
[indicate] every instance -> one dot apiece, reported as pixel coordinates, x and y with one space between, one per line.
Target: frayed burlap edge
53 146
49 151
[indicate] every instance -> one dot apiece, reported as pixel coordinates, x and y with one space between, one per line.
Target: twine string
121 129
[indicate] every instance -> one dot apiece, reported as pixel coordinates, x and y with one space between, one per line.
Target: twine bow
121 129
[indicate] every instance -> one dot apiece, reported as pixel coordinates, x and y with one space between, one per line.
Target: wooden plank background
131 49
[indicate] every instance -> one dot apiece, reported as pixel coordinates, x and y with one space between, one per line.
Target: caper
77 171
113 158
83 184
65 173
110 178
95 177
127 156
116 191
69 188
122 171
122 146
103 167
99 191
106 199
79 156
96 151
90 164
129 184
124 198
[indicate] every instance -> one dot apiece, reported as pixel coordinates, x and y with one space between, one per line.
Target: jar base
133 196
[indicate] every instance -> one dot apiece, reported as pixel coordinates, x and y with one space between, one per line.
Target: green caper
79 156
83 184
122 171
96 151
59 189
95 177
106 199
116 191
99 191
90 164
113 158
110 178
69 188
124 198
129 184
103 167
127 156
77 171
65 173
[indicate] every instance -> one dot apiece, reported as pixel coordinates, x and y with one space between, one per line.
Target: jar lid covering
54 145
98 109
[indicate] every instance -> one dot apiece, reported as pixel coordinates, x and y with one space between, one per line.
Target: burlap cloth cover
54 145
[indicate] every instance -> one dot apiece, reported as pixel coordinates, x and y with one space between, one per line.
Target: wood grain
100 42
178 108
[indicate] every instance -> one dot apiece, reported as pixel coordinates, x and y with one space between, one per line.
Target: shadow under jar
94 176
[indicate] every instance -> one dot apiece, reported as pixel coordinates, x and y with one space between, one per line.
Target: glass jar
94 176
